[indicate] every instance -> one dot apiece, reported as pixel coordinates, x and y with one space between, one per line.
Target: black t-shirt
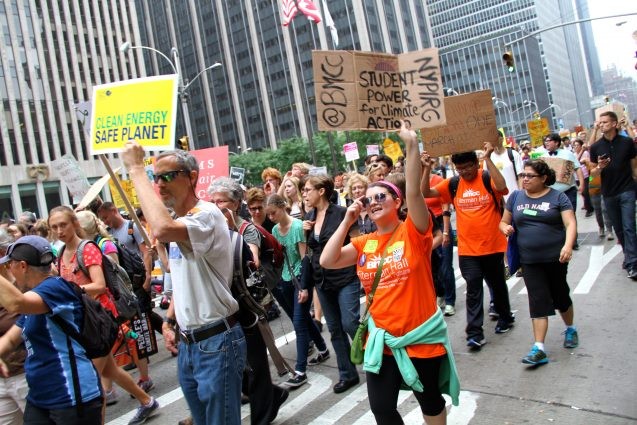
617 176
538 222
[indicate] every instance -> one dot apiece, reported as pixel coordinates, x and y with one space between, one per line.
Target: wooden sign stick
129 206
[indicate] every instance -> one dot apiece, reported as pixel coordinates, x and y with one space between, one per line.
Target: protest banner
392 149
470 123
563 169
129 191
237 174
142 109
617 108
374 91
213 163
70 173
372 149
538 129
351 151
318 171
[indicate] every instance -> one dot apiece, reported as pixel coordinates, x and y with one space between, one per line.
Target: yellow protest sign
142 109
129 189
392 149
537 130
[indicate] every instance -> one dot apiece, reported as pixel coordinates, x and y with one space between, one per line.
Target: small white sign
318 171
372 149
70 173
351 151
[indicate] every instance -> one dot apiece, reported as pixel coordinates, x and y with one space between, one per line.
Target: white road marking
317 384
598 260
368 417
340 409
163 401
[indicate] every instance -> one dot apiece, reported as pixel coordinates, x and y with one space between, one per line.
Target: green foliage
297 149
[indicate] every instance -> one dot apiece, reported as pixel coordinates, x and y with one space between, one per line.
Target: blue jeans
210 374
621 210
304 327
342 310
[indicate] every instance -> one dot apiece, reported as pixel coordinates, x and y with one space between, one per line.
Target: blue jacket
433 331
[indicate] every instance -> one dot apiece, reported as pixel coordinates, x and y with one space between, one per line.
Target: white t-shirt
505 166
201 269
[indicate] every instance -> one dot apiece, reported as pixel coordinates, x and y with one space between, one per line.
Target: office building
549 76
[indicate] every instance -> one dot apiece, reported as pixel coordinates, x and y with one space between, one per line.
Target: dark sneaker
571 339
503 326
310 349
344 385
475 343
632 273
535 357
492 313
280 395
320 358
144 412
296 381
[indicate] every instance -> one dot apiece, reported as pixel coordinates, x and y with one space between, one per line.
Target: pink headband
391 186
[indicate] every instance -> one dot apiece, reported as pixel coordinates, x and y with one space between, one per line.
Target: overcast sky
615 44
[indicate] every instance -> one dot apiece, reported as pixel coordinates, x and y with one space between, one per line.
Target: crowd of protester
346 234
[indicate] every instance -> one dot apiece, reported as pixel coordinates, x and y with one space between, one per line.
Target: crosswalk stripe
598 260
340 409
317 385
165 400
368 417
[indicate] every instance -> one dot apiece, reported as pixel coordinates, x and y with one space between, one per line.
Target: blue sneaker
571 340
535 357
144 412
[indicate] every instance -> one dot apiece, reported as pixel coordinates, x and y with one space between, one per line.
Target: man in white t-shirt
509 163
212 347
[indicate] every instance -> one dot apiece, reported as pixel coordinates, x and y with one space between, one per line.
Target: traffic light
183 143
507 57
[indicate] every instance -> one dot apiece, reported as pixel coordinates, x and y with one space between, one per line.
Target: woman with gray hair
13 388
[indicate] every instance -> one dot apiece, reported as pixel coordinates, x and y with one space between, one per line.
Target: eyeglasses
255 209
528 175
379 198
465 169
307 189
168 176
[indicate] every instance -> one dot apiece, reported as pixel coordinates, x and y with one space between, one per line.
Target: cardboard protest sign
237 174
213 163
70 173
470 123
374 91
351 151
318 171
372 149
538 129
617 108
142 109
563 169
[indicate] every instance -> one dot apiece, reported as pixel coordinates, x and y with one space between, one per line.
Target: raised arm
335 255
425 186
416 206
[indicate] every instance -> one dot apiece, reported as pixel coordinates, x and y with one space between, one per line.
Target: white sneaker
602 233
449 310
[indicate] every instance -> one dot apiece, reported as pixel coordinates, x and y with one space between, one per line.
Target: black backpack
486 181
271 254
129 259
117 282
98 331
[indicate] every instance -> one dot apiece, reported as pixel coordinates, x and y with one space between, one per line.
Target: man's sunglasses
168 176
379 197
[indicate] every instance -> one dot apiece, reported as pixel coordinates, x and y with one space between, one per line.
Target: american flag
289 9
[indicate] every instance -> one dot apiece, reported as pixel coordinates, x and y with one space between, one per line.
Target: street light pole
182 88
497 101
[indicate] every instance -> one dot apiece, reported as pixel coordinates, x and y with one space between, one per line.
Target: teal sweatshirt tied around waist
433 331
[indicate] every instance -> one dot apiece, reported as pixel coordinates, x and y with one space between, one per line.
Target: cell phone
603 156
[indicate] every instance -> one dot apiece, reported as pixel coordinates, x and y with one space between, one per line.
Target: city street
592 384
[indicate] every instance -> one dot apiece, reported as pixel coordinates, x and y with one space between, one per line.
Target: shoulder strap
131 230
512 159
79 255
453 186
379 271
243 226
486 181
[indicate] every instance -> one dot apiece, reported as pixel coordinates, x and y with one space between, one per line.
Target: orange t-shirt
405 297
477 216
434 204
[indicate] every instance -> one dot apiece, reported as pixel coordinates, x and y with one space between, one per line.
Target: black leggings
383 389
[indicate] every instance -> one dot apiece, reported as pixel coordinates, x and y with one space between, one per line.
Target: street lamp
182 89
496 101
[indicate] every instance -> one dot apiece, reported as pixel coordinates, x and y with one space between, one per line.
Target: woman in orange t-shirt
405 297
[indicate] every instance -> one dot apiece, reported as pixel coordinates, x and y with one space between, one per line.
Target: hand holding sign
133 155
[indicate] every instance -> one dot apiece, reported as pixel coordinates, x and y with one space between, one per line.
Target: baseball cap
35 250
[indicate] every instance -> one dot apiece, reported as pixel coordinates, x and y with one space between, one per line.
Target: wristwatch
171 322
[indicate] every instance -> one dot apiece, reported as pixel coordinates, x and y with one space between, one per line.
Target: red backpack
271 254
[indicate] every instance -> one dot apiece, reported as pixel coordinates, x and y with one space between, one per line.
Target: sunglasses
379 198
168 176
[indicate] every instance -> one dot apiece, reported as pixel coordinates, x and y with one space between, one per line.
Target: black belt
207 331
